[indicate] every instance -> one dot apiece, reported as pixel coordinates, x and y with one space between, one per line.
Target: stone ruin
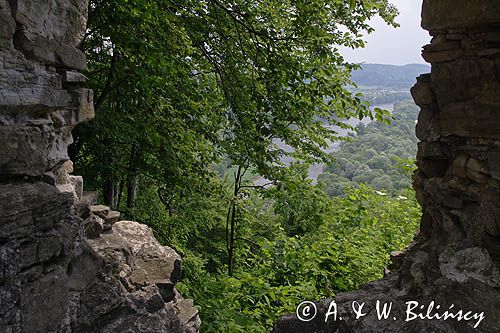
455 258
66 265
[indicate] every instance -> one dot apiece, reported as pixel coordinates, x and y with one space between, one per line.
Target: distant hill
389 76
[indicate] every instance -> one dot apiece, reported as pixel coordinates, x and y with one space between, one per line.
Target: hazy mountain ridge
389 76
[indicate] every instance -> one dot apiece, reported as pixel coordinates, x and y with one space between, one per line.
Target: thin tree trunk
108 192
232 223
133 177
120 194
115 196
132 191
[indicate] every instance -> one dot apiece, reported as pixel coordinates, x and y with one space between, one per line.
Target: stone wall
455 259
65 264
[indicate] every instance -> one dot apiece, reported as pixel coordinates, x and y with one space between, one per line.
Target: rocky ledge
123 279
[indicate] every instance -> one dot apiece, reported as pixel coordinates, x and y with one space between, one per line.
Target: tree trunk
132 190
231 223
108 192
133 177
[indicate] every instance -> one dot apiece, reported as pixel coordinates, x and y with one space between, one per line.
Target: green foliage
379 155
294 243
348 246
134 50
178 84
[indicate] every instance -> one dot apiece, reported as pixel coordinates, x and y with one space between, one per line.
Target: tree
181 83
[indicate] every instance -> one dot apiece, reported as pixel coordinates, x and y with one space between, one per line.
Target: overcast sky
397 46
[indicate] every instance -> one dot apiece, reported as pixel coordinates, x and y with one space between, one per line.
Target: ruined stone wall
456 256
65 265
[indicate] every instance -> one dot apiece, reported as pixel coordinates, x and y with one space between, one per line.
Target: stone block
74 77
29 208
68 166
438 45
7 26
100 210
476 171
459 165
456 14
36 46
441 56
71 57
494 164
77 183
59 20
93 226
421 91
44 303
148 296
83 99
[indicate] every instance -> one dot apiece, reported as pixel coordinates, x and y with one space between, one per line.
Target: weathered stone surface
32 139
112 217
145 272
70 57
64 21
36 243
469 264
187 313
455 14
83 100
139 258
93 227
77 183
74 77
442 56
421 91
44 303
476 171
109 216
159 264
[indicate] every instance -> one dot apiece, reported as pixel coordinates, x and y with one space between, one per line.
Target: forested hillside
380 155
